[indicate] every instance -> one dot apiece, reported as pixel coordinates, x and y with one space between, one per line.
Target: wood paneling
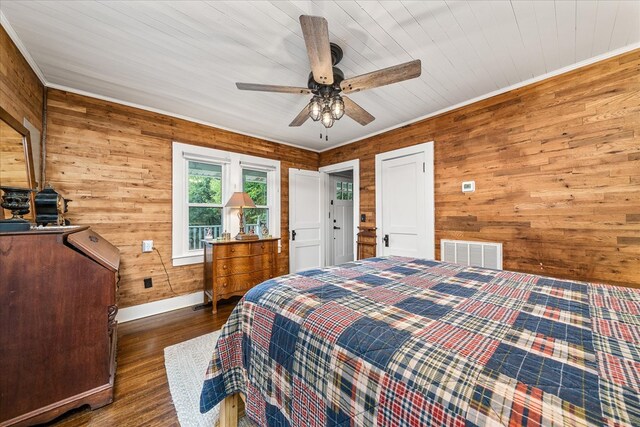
114 162
557 171
21 92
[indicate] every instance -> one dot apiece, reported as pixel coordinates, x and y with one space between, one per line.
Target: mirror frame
26 143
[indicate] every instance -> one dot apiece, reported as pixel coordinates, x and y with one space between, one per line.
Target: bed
398 341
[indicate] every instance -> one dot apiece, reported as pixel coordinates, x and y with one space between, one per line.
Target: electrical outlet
148 283
147 245
468 186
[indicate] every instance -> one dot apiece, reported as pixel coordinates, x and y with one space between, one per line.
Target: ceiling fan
326 81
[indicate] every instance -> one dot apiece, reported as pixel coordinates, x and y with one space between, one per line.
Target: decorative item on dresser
242 200
17 200
51 207
58 330
233 267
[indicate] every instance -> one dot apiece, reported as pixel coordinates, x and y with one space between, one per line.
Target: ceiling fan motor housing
319 89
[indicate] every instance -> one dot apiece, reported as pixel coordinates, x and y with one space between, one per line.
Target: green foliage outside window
205 192
254 183
205 183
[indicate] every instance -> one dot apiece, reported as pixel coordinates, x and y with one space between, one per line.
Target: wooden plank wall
557 171
114 162
21 92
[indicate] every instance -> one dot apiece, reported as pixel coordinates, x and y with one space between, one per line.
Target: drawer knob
224 266
224 284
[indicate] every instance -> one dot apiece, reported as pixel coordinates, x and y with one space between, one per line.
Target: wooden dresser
233 267
58 332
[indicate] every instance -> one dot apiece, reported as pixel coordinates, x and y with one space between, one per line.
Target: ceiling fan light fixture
315 108
327 118
337 107
326 81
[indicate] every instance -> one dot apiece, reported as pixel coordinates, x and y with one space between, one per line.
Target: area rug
186 364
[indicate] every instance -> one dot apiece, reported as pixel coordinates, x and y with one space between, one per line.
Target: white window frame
232 165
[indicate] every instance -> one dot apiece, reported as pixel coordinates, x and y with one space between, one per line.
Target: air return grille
478 254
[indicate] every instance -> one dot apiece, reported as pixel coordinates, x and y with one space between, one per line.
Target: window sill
187 260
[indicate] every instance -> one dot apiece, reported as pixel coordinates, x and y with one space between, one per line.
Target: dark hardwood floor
142 394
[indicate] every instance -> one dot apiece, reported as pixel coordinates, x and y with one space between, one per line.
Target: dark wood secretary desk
58 328
232 267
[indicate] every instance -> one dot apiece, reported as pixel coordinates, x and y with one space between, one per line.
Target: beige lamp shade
240 200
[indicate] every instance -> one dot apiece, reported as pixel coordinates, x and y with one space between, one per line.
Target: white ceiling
183 57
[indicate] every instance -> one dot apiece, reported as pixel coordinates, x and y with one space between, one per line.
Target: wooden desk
58 333
233 267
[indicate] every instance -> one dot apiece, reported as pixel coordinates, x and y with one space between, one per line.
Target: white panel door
305 244
342 219
404 206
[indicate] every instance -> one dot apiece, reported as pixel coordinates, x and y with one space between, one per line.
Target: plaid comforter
399 341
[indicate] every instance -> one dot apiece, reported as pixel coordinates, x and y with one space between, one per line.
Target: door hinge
424 167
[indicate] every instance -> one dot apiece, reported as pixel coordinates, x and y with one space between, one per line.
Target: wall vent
477 254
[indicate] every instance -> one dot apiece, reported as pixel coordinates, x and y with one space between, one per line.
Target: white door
405 201
341 220
305 249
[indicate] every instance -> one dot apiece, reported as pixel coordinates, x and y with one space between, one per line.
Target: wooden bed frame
230 408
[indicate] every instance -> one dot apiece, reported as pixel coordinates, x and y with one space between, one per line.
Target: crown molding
521 84
23 50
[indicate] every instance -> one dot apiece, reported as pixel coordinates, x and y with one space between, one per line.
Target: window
203 181
254 183
344 190
205 202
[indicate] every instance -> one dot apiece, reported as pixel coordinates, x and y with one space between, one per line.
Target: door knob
385 239
293 234
336 228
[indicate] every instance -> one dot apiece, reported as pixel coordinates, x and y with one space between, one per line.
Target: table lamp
242 200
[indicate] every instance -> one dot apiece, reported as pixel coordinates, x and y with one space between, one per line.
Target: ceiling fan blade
273 88
386 76
316 36
301 117
356 112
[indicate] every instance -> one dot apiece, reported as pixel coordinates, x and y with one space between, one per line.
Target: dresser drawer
259 248
248 264
232 250
240 282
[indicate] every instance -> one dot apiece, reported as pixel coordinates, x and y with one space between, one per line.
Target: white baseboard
157 307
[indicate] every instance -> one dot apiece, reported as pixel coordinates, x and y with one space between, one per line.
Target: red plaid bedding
410 342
